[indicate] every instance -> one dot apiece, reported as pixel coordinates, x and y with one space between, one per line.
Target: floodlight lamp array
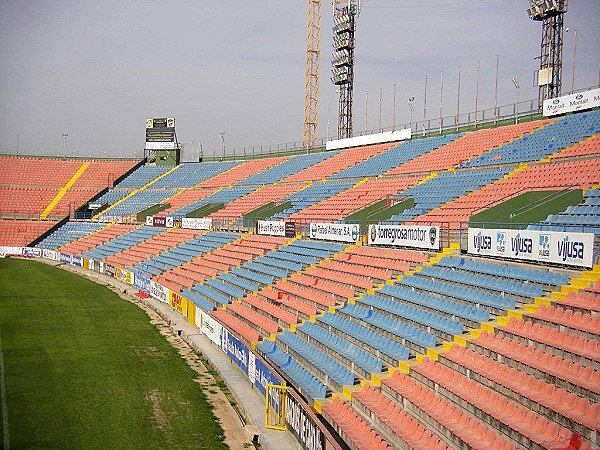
343 23
343 41
541 9
341 75
341 57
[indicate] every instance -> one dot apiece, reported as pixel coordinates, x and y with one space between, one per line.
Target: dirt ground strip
237 435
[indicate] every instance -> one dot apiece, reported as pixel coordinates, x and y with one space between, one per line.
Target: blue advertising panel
263 376
238 352
31 252
142 283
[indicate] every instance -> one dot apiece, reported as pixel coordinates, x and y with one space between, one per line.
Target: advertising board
302 425
142 283
342 232
159 292
573 249
572 102
415 236
196 223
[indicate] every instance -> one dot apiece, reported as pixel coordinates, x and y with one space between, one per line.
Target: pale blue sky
97 69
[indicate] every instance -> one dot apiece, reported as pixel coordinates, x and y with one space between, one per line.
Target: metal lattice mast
313 55
344 26
551 14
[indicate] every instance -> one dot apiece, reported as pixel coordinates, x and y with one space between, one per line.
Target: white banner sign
160 145
159 292
574 249
344 232
572 102
212 329
50 254
405 236
11 250
271 227
31 252
196 223
198 318
369 139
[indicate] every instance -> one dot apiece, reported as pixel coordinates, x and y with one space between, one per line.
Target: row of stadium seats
337 163
550 139
16 233
285 169
466 148
51 172
554 176
383 162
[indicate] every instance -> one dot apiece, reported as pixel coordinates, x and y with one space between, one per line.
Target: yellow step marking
63 190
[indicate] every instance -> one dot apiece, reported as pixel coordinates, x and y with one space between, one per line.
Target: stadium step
63 190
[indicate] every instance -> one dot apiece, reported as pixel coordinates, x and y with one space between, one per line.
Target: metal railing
525 111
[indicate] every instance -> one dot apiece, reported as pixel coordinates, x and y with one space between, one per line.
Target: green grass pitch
85 369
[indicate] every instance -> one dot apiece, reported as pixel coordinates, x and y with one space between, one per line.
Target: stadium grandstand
440 292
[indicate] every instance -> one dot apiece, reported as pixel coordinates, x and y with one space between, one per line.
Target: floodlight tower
345 13
551 14
313 56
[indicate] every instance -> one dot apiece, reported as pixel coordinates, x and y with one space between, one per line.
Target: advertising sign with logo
290 229
77 260
573 249
177 302
235 349
31 252
142 283
211 328
149 221
159 292
302 425
159 221
369 139
270 227
65 258
101 269
125 276
343 232
11 250
416 236
109 270
260 375
572 102
196 223
50 254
